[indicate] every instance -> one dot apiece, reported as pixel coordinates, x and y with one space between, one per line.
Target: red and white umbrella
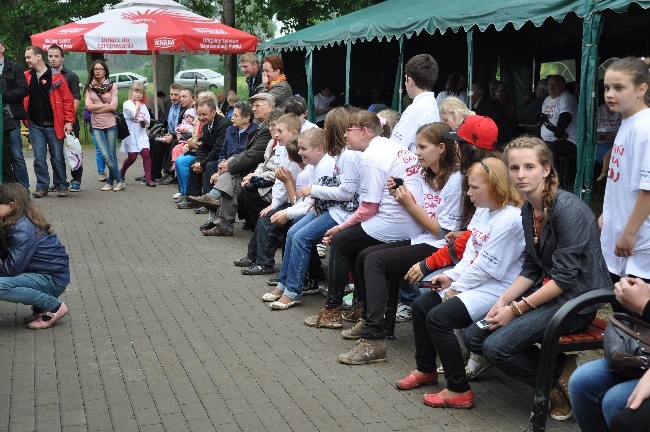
148 27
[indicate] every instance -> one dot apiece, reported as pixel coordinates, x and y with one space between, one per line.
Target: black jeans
344 250
632 421
160 157
381 268
7 171
265 239
194 183
434 322
253 204
210 168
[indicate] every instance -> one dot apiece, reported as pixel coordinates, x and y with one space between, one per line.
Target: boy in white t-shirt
263 244
421 75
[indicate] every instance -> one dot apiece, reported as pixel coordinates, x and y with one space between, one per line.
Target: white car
125 79
199 78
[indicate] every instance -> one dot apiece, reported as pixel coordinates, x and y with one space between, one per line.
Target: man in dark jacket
241 164
14 90
214 131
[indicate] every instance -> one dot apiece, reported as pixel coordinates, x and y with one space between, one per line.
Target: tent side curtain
395 18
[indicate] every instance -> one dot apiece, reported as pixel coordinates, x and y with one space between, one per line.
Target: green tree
299 14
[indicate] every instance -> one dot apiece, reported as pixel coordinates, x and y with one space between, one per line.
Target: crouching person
35 267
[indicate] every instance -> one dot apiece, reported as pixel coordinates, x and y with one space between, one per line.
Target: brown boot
353 315
327 318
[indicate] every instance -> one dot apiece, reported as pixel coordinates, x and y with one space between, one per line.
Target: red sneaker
413 380
47 319
441 400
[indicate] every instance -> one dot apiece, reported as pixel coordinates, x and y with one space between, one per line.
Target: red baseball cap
476 130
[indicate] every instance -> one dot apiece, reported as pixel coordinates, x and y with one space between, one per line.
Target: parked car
199 78
125 79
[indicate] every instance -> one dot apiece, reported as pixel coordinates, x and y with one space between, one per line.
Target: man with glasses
232 170
50 107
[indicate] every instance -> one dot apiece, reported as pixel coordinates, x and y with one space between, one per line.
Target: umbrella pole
155 85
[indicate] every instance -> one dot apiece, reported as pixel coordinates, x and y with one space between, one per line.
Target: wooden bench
554 342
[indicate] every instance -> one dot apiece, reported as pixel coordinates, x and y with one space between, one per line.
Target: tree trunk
164 72
229 61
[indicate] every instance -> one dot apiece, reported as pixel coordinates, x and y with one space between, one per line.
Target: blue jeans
33 289
512 347
302 235
17 158
106 140
183 164
42 138
99 159
598 394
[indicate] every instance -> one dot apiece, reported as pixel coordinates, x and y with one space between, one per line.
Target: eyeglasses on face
98 69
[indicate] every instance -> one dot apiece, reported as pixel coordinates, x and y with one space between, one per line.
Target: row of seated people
387 212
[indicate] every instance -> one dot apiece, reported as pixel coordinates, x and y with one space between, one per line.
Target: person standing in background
56 58
14 90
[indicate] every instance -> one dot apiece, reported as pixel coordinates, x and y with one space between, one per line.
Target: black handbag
122 127
627 345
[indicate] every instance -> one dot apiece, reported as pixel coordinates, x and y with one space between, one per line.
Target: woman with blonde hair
562 260
462 295
453 111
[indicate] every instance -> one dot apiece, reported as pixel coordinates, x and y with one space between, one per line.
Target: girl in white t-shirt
491 262
625 221
381 267
379 218
137 119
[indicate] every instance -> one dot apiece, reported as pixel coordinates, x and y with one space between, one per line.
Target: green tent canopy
526 31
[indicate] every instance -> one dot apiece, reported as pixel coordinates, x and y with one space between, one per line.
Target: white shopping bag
72 152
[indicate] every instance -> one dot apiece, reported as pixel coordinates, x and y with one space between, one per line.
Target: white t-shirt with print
492 260
565 102
606 122
629 173
383 159
348 171
445 206
423 110
323 168
279 191
321 102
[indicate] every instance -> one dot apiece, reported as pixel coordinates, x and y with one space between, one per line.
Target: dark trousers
632 421
160 157
434 322
7 171
344 250
210 168
381 268
562 148
254 204
194 183
265 239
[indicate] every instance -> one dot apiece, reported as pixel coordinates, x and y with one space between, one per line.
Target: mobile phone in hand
430 285
483 324
398 182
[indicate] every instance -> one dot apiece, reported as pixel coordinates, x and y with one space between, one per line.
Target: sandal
413 381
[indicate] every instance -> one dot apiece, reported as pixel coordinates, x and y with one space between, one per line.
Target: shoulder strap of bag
642 337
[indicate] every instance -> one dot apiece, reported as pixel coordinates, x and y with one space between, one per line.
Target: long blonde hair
545 159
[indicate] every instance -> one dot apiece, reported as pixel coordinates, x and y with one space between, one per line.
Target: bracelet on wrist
424 268
525 300
515 309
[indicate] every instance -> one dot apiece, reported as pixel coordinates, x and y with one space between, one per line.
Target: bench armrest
549 350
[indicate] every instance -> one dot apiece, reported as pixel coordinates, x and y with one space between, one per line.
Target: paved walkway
165 334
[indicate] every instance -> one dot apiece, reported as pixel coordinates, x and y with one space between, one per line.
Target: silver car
199 78
125 79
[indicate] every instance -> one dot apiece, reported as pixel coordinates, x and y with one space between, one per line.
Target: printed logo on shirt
614 173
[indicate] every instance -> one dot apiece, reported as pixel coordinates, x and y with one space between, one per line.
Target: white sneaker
403 313
321 250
